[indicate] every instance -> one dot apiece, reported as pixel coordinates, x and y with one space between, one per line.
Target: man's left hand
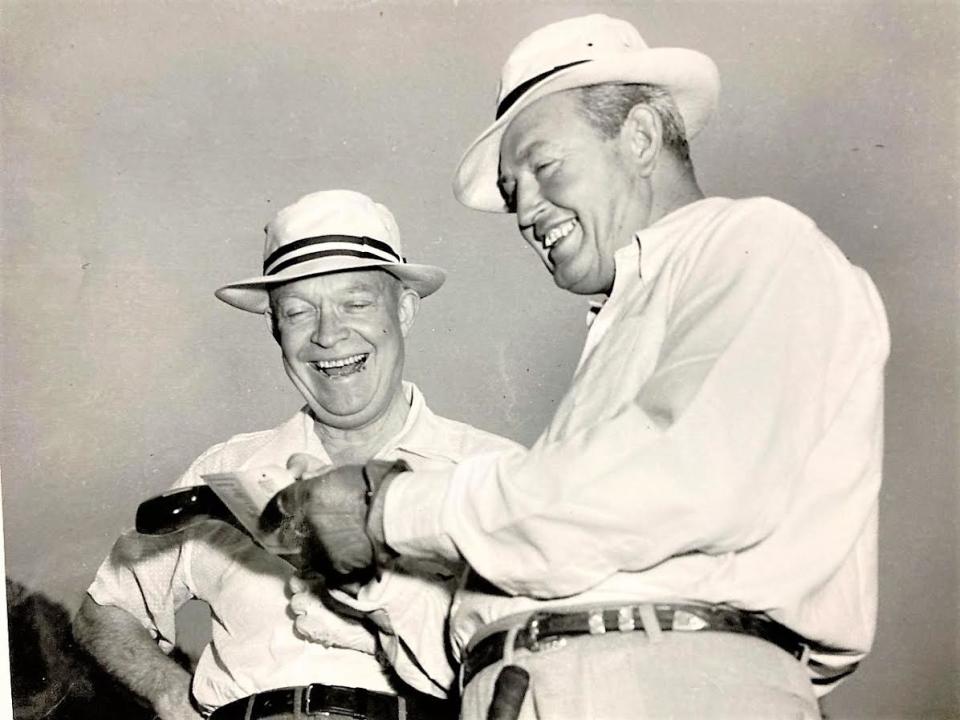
317 622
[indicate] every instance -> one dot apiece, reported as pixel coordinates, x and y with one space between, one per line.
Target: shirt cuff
413 515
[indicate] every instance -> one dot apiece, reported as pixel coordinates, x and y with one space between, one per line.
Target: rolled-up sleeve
144 575
149 576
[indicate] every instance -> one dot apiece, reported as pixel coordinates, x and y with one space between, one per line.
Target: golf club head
178 509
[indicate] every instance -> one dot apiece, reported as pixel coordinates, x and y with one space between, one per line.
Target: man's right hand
175 704
126 650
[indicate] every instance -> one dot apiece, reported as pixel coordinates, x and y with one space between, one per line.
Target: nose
330 328
529 202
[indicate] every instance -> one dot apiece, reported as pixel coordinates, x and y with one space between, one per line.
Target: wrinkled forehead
374 280
547 120
546 128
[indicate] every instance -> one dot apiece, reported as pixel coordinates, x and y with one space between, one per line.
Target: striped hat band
321 246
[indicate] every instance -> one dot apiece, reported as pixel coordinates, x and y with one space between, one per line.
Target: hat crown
568 41
332 212
328 232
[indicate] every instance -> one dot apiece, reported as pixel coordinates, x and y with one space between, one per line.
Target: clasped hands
329 511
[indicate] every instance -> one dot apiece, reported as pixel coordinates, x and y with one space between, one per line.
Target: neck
674 185
353 446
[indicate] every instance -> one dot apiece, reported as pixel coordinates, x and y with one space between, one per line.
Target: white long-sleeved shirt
721 441
254 645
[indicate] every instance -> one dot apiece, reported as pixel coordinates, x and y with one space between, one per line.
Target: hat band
344 245
511 99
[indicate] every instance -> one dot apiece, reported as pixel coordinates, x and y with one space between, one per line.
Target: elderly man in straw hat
341 299
694 533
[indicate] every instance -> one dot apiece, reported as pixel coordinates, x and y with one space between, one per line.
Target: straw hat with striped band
325 232
574 53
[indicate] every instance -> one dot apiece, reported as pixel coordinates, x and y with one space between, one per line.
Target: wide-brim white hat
325 232
575 53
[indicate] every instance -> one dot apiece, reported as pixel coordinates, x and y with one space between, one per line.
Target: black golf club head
178 509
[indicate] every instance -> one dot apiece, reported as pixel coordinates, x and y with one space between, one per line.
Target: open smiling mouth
342 366
556 235
559 232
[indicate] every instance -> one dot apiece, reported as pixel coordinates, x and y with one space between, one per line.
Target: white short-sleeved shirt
254 646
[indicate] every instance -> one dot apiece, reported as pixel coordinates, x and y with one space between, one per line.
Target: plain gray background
145 144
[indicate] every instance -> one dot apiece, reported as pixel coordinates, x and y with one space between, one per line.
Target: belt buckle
335 699
534 639
532 631
685 620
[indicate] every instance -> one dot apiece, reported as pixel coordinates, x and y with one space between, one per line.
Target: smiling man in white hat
694 533
341 299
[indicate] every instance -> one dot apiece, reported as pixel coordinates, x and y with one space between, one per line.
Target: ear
408 305
642 134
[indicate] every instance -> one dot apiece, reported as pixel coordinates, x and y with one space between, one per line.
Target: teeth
327 364
559 232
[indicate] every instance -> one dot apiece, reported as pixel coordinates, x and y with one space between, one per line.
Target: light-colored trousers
616 676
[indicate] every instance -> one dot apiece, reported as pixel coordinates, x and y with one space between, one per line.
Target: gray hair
606 105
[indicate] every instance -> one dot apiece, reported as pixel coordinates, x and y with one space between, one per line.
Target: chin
342 420
580 285
351 415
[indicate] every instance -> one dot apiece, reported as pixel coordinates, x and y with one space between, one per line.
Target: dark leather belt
335 701
542 627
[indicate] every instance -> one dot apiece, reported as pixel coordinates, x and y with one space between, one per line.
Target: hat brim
691 78
253 296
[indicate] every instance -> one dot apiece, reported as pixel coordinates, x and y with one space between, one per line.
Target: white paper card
246 493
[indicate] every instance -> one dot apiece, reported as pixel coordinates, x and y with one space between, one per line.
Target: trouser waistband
531 632
334 701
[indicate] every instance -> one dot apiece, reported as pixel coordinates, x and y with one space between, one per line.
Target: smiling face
342 338
578 196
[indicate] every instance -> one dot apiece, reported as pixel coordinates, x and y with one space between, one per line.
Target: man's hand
175 705
126 650
314 620
337 516
329 512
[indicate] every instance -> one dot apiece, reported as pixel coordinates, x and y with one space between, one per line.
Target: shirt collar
421 433
641 260
408 435
628 270
660 239
644 257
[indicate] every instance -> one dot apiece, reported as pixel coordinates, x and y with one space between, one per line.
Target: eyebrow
522 156
528 149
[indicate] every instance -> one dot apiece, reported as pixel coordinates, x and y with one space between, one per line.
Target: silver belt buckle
533 632
535 643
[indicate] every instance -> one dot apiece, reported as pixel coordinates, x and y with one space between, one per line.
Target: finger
279 509
290 499
312 584
309 629
301 603
272 517
304 465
